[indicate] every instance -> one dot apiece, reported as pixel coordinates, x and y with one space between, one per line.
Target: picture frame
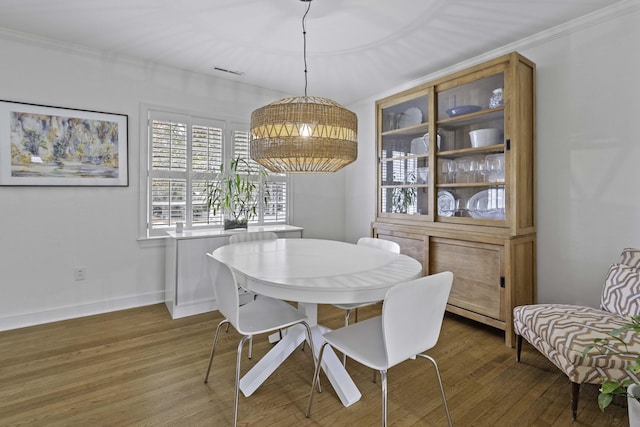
43 145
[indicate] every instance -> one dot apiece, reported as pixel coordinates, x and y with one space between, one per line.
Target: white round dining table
311 272
317 271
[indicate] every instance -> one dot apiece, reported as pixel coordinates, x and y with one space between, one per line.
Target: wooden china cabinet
456 185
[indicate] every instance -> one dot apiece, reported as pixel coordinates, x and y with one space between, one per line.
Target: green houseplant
404 197
236 193
615 344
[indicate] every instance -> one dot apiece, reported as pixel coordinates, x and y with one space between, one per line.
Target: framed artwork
42 145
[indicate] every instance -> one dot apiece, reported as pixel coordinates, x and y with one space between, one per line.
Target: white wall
588 151
48 231
360 177
319 204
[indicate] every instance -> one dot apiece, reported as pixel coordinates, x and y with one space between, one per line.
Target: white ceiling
355 48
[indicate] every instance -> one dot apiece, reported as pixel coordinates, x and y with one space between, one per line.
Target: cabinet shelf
410 156
417 130
404 186
452 123
498 148
471 184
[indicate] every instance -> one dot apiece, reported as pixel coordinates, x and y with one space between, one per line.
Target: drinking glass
393 121
495 167
462 170
448 171
461 207
477 169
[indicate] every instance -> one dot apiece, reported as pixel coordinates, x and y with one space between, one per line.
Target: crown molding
582 23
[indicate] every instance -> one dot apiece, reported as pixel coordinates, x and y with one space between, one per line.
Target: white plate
423 175
418 146
446 203
487 204
411 117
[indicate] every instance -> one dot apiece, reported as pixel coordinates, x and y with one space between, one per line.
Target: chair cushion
561 332
621 291
630 257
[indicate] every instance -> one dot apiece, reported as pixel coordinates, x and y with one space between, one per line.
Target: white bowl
485 137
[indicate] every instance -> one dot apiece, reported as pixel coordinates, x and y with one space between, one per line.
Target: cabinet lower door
411 245
478 274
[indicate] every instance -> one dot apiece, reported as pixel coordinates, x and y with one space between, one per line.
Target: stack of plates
446 203
418 146
411 117
487 204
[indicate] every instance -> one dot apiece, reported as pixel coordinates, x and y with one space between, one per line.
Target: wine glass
495 167
477 170
448 171
461 171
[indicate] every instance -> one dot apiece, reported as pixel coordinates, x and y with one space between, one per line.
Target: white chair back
412 315
252 236
387 245
226 290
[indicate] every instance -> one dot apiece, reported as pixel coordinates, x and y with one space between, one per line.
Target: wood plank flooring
141 368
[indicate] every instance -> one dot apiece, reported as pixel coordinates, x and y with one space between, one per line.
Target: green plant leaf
604 400
609 386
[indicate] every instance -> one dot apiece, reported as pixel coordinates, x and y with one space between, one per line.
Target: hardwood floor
140 368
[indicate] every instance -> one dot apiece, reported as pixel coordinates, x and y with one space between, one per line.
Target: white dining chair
256 317
412 315
252 236
383 244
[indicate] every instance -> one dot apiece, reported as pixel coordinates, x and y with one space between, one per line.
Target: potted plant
236 193
615 344
403 197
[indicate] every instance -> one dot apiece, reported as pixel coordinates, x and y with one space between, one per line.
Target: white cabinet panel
188 288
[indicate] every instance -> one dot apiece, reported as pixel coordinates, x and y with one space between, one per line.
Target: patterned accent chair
561 332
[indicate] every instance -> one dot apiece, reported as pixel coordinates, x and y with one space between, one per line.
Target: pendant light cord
304 39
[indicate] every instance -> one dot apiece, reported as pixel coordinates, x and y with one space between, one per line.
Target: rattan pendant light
303 134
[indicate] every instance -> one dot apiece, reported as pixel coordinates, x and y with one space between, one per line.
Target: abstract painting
42 145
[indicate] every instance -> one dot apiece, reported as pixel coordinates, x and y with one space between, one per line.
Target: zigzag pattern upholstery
621 292
561 332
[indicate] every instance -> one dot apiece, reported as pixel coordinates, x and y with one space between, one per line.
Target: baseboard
199 307
191 309
72 312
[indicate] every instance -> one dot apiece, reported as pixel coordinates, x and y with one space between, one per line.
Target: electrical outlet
79 273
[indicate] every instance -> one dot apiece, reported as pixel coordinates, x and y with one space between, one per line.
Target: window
401 195
184 154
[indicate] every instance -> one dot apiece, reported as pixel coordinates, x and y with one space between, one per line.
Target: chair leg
346 323
238 359
313 356
250 341
213 348
444 397
316 375
383 378
518 347
575 393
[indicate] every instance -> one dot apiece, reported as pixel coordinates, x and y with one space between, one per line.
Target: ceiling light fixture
303 134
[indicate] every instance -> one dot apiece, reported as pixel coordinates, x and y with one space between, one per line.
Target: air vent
224 70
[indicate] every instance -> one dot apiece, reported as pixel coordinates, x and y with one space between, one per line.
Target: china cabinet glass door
471 162
404 157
